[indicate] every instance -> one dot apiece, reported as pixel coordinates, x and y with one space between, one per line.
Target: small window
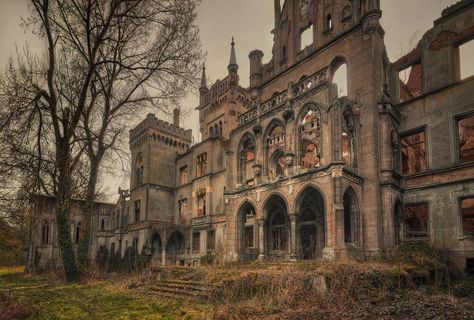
410 82
196 241
340 79
328 22
45 233
467 212
183 175
465 65
211 240
137 210
183 208
78 232
466 138
201 165
249 243
102 225
135 244
306 37
470 266
416 221
112 248
413 153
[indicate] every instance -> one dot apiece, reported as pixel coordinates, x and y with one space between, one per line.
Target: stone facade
298 166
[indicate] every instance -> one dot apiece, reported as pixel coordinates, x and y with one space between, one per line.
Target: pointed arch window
348 139
309 130
139 171
275 143
247 160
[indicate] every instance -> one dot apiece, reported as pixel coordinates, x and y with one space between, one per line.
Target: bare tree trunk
85 242
64 208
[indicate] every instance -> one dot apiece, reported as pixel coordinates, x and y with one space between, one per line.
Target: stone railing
302 86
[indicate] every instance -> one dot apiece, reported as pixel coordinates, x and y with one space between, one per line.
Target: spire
233 66
203 77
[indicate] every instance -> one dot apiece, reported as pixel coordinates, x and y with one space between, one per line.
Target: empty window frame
249 242
201 165
137 210
183 175
306 37
78 232
465 52
102 225
416 220
467 215
183 208
211 240
410 82
413 148
466 138
470 266
45 233
196 241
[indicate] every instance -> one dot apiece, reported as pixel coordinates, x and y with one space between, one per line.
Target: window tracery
310 133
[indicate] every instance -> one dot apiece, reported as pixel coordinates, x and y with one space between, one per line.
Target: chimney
176 117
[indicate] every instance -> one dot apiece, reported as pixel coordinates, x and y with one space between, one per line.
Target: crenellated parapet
168 129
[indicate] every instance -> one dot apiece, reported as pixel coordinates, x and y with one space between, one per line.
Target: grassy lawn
47 298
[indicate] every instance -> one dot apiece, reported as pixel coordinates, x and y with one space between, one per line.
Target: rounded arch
175 246
352 219
339 71
266 200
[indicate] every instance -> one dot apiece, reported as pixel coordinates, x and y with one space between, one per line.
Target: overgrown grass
50 298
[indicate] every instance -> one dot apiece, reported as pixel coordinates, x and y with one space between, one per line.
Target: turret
233 66
176 117
255 58
203 90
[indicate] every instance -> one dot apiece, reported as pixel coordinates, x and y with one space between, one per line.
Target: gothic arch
268 197
277 226
308 136
156 248
339 71
246 156
310 223
348 136
246 224
274 148
352 218
175 246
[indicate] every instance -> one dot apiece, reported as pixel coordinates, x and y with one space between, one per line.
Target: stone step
181 286
181 289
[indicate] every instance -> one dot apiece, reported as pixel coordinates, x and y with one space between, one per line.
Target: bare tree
150 60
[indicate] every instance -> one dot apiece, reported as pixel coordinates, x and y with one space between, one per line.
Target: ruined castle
301 166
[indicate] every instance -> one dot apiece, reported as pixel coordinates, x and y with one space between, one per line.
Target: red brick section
452 175
446 38
411 58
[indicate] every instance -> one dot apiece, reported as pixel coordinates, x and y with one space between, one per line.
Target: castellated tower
154 146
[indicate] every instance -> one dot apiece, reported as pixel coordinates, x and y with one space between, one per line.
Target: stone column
163 255
288 161
293 254
261 239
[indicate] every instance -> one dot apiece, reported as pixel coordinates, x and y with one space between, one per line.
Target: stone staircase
181 289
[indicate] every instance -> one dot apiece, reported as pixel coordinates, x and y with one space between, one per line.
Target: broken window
340 77
309 128
196 241
183 175
249 237
201 199
45 233
183 208
201 165
347 138
137 210
410 82
413 153
247 160
467 212
306 37
328 22
102 224
465 52
466 138
211 240
416 220
279 232
112 247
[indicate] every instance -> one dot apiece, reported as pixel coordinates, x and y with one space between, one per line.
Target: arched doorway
247 228
175 248
310 224
156 247
351 218
278 227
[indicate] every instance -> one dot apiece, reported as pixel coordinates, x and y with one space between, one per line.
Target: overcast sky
250 22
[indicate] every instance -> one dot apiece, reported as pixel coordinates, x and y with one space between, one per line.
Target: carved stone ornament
304 9
257 129
288 159
257 169
201 192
